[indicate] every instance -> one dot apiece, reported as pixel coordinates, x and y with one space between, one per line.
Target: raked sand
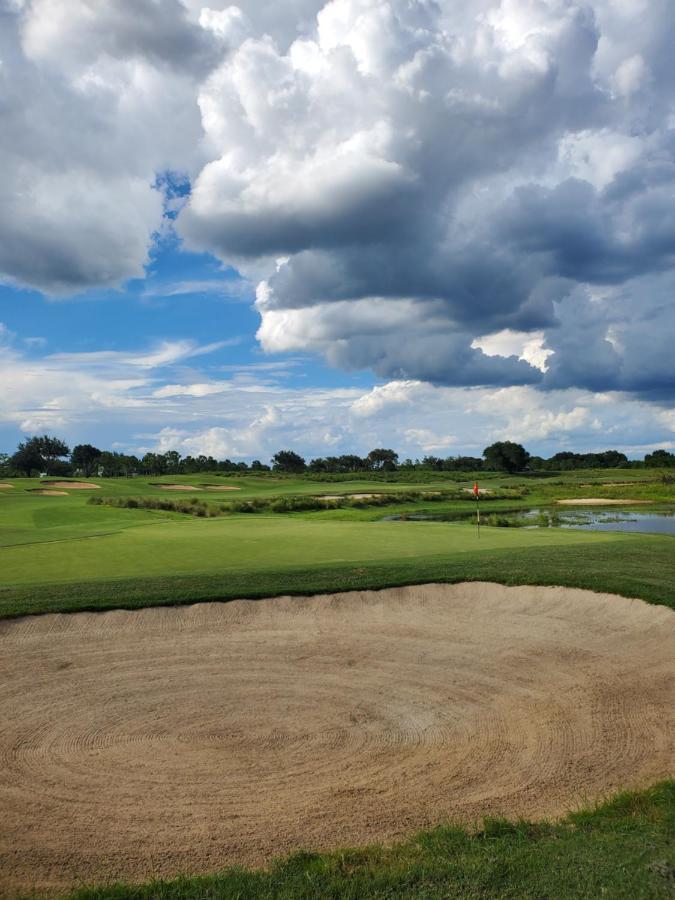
167 740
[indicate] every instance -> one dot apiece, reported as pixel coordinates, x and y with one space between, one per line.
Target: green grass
635 566
200 547
622 849
60 553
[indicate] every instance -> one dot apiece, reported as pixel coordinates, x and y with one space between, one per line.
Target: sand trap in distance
4 487
73 485
176 487
219 487
184 739
47 492
349 496
599 501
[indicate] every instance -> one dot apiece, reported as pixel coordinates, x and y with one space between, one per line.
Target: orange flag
475 489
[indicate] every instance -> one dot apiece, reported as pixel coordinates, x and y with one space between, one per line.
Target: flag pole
476 494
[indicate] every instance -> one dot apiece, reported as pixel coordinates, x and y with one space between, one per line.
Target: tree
38 453
288 461
462 464
609 459
50 449
172 461
506 456
349 462
660 459
432 462
27 458
382 459
85 458
154 464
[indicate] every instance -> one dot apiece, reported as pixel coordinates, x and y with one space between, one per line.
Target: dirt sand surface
74 485
599 501
147 743
177 487
47 492
4 487
347 496
219 487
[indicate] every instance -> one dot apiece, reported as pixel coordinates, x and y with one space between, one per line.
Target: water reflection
656 521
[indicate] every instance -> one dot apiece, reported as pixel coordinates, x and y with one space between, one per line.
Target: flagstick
478 514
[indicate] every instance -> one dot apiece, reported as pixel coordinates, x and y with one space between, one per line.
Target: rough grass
622 849
289 503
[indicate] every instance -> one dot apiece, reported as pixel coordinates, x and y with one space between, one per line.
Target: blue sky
337 225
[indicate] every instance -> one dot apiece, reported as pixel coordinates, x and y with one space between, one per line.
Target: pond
652 522
656 521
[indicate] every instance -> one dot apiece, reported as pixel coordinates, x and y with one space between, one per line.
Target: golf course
76 548
363 708
337 450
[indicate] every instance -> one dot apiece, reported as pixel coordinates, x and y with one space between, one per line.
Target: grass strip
642 567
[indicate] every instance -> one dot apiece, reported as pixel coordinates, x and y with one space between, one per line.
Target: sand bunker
4 487
73 485
599 501
183 739
348 496
219 487
177 487
48 492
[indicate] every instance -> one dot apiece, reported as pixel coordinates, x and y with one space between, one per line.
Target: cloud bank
124 399
406 181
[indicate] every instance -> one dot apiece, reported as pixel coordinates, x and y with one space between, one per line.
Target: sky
331 226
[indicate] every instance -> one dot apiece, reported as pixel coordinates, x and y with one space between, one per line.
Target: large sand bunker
175 487
164 740
4 487
219 487
73 485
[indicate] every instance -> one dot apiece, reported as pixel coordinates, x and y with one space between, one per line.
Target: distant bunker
599 501
72 485
175 487
48 492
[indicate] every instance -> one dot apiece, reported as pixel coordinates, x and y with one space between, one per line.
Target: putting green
182 546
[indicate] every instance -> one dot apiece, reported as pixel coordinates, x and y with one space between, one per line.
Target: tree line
52 456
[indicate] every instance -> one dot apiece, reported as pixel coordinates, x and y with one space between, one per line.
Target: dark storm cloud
482 164
620 339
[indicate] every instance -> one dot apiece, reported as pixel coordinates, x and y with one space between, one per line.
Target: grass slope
636 566
622 849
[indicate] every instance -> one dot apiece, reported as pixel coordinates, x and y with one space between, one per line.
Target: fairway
61 553
184 740
209 546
